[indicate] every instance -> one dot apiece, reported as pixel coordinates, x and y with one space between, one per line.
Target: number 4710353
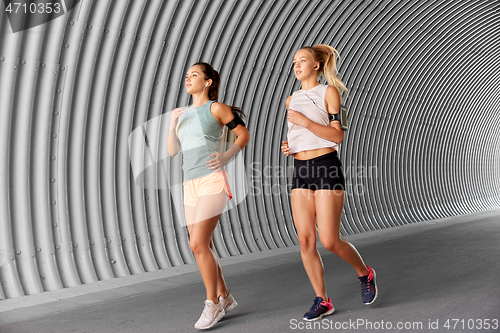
34 8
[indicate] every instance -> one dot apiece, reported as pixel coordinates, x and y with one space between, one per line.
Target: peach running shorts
213 183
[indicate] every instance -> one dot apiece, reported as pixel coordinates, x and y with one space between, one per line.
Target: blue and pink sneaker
319 309
369 291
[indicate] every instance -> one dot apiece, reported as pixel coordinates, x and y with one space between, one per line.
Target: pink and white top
300 138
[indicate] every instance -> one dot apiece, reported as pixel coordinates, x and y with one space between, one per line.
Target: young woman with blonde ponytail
317 194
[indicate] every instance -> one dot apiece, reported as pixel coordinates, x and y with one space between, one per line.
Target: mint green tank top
199 134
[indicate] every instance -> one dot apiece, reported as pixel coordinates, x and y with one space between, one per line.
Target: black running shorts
319 173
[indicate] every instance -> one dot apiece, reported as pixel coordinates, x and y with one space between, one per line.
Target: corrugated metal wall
423 108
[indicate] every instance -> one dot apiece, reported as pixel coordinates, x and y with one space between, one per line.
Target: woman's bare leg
329 205
303 209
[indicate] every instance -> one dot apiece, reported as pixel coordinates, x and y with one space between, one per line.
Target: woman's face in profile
195 80
303 64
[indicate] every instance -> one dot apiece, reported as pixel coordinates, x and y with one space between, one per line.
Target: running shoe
319 309
228 303
211 314
369 291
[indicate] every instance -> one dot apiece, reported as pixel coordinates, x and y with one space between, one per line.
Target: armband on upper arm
335 116
235 122
341 117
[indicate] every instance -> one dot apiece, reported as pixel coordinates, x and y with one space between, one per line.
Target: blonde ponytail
327 58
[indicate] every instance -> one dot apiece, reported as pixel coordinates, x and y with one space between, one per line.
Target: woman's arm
287 102
331 133
285 148
223 114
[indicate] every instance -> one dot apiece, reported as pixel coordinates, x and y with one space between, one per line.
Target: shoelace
366 284
316 304
207 311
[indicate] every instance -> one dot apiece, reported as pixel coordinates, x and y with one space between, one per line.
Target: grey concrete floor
429 274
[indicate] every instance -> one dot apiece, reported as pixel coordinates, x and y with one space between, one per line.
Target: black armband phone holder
236 121
341 117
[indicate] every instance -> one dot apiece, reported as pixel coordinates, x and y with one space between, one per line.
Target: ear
316 66
208 83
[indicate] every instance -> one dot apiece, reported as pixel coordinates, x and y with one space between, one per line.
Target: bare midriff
308 154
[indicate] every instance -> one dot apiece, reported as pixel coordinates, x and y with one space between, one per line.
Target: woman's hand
218 161
173 143
285 149
174 117
297 118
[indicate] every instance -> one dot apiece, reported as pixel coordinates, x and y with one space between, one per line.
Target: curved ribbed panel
423 143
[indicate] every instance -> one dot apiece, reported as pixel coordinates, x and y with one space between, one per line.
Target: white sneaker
211 314
228 303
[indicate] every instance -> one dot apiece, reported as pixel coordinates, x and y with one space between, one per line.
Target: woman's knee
307 243
198 247
333 245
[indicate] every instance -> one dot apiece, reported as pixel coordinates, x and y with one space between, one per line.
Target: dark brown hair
213 89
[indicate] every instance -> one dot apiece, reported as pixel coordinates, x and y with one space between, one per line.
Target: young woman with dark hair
197 131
